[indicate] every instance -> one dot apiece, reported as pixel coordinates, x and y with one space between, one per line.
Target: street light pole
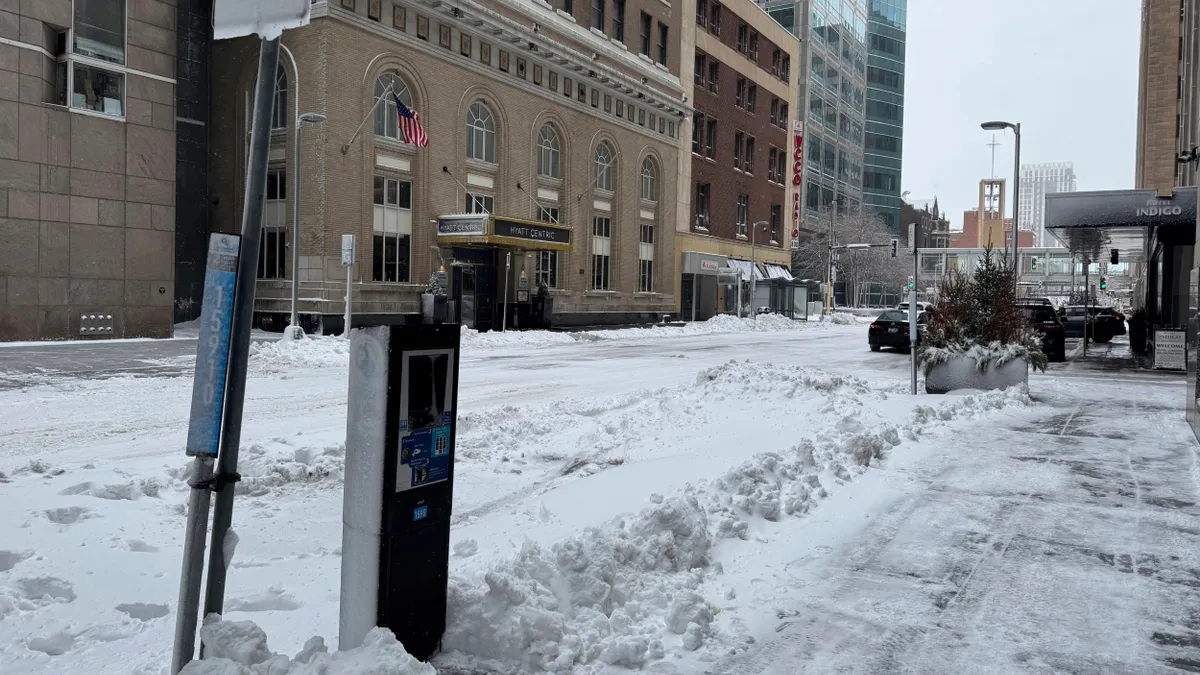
1016 250
294 327
1016 245
754 267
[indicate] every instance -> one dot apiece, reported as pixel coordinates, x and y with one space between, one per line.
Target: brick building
969 236
741 162
87 168
553 138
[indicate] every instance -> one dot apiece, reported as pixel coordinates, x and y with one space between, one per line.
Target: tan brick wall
339 59
86 202
1158 95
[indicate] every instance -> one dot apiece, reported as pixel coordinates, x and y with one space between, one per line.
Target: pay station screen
426 393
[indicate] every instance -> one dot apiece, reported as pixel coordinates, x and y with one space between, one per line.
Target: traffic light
911 283
1034 266
1115 257
1103 284
895 245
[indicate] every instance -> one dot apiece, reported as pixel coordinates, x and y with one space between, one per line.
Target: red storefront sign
797 169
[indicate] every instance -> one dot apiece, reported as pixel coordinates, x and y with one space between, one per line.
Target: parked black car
1102 324
1044 320
891 329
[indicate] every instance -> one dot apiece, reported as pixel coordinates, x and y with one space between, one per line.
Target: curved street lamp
1001 126
294 328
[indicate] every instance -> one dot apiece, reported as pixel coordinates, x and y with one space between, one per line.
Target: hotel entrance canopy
1091 224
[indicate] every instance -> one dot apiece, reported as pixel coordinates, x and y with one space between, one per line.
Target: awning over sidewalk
749 271
778 272
483 228
1092 223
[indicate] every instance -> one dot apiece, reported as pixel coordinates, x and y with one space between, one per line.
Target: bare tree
857 266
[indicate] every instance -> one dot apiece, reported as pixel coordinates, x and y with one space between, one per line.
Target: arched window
649 180
385 109
549 153
279 114
481 133
604 166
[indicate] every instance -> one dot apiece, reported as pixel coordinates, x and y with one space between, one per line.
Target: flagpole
370 114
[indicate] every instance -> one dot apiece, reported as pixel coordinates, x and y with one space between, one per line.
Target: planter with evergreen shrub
977 336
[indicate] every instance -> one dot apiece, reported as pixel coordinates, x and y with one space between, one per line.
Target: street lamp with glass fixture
1001 126
294 330
753 265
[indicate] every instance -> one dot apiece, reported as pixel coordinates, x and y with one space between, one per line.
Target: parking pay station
399 477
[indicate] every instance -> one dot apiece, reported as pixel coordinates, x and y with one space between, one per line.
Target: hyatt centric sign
462 226
1121 208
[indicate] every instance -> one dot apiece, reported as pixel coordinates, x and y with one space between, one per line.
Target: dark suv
1102 322
1044 320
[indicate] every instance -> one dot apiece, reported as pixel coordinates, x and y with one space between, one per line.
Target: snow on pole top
266 18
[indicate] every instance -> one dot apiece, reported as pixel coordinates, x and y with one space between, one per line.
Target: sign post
348 263
231 19
1170 349
204 431
912 306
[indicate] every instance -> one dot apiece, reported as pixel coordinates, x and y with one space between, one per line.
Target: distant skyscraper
1037 181
833 89
885 109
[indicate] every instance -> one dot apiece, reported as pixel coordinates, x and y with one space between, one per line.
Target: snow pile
275 465
843 319
604 596
473 339
629 592
240 648
284 356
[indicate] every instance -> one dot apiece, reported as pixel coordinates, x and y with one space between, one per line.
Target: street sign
347 250
895 246
795 244
266 18
212 348
912 238
795 233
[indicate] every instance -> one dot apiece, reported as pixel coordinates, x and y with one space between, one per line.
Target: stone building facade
87 168
743 91
553 146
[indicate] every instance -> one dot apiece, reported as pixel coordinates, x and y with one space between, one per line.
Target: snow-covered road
633 499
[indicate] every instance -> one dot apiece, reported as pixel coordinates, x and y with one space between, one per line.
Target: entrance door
485 298
685 296
466 296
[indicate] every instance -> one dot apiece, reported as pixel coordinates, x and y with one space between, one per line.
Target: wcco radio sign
797 169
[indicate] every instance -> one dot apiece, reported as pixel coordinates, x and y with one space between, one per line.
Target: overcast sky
1065 69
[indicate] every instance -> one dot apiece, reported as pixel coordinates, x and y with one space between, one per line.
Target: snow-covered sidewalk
636 499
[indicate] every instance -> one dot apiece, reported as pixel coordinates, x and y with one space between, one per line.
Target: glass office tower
885 109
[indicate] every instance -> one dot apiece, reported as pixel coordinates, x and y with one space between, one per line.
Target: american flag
410 125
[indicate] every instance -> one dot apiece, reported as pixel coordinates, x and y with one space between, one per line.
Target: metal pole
507 274
1087 290
294 327
753 271
243 317
829 267
349 280
188 608
912 320
1016 245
